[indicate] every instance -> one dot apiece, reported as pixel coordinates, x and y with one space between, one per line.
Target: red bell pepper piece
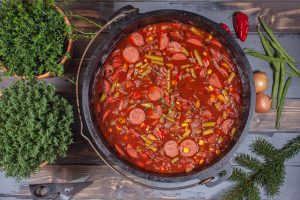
226 28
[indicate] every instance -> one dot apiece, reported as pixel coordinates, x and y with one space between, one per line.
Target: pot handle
125 9
224 174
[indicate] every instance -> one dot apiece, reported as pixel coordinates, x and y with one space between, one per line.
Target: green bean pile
282 63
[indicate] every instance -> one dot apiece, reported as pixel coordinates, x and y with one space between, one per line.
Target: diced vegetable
208 131
157 58
195 31
208 124
231 77
198 57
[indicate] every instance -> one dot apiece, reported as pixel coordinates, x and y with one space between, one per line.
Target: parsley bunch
33 37
34 127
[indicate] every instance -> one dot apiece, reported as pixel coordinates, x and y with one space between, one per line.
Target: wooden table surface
81 160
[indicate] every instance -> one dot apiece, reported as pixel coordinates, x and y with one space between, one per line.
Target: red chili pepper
226 28
241 25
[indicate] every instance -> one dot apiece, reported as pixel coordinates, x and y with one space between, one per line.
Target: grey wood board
283 15
118 188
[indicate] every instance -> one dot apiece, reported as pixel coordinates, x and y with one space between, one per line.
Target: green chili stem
281 101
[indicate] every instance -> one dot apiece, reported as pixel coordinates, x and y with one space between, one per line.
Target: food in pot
168 98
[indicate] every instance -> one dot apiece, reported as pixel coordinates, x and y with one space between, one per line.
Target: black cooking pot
130 21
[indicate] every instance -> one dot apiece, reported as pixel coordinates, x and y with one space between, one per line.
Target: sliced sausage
174 47
115 53
226 125
176 35
131 151
171 148
179 57
136 39
119 150
163 41
215 81
155 113
117 61
131 54
188 148
195 42
106 86
154 93
137 116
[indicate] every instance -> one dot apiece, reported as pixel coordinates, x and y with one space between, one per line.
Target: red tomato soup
168 98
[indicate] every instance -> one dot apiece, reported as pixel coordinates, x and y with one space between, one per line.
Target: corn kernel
110 130
205 53
209 37
143 125
201 142
150 38
201 162
184 124
177 103
218 151
186 150
211 88
174 82
209 71
118 128
145 60
211 149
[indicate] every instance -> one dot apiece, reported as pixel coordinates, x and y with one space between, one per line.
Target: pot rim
110 157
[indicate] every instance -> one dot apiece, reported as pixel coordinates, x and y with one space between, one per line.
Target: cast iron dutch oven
129 22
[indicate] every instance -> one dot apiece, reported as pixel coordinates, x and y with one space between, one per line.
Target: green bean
198 57
193 73
268 50
208 124
273 37
275 88
294 68
291 73
208 131
281 101
152 57
281 81
266 58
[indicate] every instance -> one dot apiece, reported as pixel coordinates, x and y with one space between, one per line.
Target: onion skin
263 103
261 81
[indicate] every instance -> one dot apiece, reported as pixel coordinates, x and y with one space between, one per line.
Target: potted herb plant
34 127
35 38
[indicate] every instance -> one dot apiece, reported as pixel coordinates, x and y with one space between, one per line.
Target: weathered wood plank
108 185
283 15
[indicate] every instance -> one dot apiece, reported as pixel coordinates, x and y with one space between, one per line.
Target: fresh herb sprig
282 64
33 37
264 170
35 127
